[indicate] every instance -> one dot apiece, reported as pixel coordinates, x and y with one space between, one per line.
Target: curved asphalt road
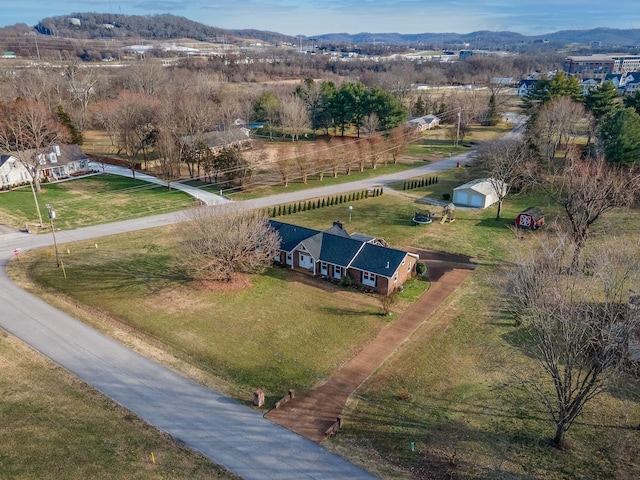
230 434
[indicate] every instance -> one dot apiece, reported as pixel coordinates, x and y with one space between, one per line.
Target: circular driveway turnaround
229 433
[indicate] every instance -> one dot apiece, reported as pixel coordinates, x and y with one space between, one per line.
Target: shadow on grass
446 448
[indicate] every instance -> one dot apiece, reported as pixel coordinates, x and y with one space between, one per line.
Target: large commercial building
598 66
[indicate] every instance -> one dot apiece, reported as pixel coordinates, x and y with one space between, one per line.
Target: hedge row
419 182
291 208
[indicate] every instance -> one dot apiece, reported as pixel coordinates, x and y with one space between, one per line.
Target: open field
90 201
54 426
453 392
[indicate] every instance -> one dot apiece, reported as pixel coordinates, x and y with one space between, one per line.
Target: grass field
90 201
452 392
54 426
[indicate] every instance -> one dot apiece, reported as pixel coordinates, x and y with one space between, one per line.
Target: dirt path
312 413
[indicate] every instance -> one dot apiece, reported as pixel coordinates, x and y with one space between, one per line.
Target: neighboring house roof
379 260
480 185
4 158
426 119
218 138
56 155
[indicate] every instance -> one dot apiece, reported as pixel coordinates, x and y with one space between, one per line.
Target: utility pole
458 131
52 215
35 199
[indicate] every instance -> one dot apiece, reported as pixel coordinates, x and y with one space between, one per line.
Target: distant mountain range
167 26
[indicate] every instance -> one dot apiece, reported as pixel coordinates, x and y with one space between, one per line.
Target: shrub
446 196
421 268
346 281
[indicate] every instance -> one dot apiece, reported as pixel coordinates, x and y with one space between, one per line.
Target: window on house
289 258
369 279
409 267
395 277
324 268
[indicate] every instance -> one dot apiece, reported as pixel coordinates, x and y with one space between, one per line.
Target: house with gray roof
56 163
426 122
333 254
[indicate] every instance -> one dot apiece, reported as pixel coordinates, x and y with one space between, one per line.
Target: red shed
531 218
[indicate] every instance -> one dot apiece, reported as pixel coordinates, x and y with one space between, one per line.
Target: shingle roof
379 260
340 250
291 235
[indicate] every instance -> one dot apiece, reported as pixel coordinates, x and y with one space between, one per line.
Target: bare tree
304 160
375 150
28 130
82 87
398 140
505 160
168 156
558 123
294 116
578 325
361 154
371 124
388 301
285 165
221 241
586 189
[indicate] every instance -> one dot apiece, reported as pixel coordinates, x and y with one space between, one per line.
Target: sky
316 17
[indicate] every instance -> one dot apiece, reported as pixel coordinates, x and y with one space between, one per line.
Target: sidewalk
312 413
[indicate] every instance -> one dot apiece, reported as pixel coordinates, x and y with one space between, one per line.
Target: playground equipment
448 214
422 217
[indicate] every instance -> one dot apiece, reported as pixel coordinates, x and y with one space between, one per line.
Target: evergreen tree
633 101
65 119
601 99
619 136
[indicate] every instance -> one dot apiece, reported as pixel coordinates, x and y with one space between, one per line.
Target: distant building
599 66
427 122
9 55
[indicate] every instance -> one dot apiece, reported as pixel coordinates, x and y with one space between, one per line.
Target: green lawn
451 390
90 201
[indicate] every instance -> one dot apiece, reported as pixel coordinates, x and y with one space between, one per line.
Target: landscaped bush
421 268
346 281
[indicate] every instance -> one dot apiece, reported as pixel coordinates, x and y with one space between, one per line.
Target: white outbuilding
478 193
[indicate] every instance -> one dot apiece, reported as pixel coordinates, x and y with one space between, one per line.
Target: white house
56 163
12 172
478 193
